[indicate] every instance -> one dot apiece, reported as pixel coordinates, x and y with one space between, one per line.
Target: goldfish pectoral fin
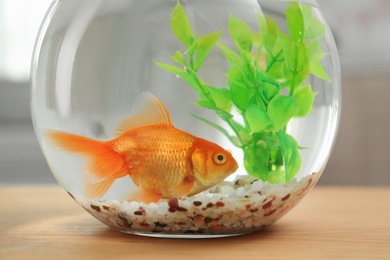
148 110
182 189
97 190
145 195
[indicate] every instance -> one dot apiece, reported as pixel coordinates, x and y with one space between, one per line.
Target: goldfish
163 162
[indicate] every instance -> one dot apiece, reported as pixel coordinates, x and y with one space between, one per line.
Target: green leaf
226 116
267 25
292 158
179 58
205 104
222 98
205 45
183 74
295 22
192 48
232 139
305 98
295 55
276 71
229 54
277 176
180 25
257 119
316 54
241 34
269 30
281 109
268 86
306 13
256 160
239 92
318 70
269 91
315 30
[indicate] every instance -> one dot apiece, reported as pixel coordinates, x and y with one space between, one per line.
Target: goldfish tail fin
103 162
97 190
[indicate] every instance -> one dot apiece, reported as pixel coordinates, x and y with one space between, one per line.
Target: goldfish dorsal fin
148 110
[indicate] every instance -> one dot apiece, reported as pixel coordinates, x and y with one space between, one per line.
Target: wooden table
42 222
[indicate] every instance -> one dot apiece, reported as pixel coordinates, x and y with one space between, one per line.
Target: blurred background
360 156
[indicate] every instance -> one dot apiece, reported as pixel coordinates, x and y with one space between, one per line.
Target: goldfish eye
219 158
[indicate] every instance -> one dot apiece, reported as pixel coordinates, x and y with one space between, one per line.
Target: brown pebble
181 209
97 208
239 183
286 197
125 221
158 224
197 203
208 220
216 227
270 213
106 207
144 224
267 205
209 205
173 203
220 204
138 213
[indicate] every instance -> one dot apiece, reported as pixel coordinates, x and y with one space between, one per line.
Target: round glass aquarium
190 118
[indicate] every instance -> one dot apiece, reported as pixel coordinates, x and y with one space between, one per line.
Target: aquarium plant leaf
269 31
179 58
180 25
277 176
292 158
295 22
183 74
240 93
241 34
256 160
229 54
222 98
205 45
231 138
318 70
315 30
269 91
257 119
194 45
304 97
281 109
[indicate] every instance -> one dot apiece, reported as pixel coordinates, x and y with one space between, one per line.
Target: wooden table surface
43 222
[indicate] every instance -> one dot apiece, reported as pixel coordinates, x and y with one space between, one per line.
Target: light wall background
360 156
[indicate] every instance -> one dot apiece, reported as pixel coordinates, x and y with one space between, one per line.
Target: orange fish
163 161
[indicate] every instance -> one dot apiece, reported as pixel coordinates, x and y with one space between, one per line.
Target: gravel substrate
243 206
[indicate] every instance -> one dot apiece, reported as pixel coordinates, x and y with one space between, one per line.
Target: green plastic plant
265 84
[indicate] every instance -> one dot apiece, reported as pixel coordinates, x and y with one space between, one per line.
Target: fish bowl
186 119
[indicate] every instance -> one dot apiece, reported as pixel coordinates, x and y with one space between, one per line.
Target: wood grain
39 222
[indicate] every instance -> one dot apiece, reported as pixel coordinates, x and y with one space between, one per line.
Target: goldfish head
211 163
